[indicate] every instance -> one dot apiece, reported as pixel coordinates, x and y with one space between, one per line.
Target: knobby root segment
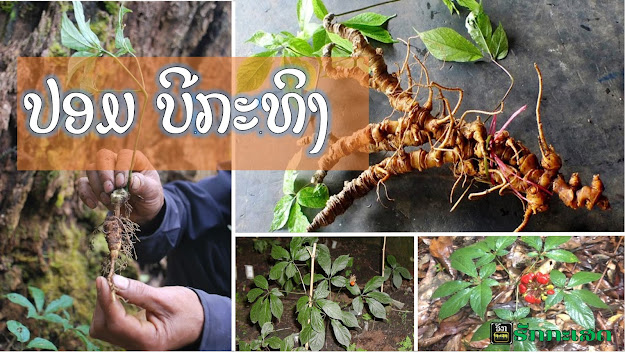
120 233
484 155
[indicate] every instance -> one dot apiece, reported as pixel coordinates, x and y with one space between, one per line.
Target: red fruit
522 288
551 292
542 278
525 279
530 298
532 276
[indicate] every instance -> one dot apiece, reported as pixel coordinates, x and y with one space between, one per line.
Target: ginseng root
120 232
482 154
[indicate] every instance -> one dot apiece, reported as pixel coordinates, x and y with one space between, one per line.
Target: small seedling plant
538 288
308 265
39 311
118 229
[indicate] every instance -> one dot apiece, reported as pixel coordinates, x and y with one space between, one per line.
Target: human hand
174 316
110 171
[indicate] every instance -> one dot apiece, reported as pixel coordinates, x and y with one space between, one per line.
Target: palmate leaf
552 242
480 297
341 333
562 256
583 277
591 298
376 308
455 303
449 288
579 311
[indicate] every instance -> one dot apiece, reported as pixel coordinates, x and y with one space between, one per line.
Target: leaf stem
366 7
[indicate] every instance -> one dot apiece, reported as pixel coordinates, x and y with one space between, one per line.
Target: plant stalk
383 261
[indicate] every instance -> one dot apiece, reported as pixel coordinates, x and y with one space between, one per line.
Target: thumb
145 186
137 293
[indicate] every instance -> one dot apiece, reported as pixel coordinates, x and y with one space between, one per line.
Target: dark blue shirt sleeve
191 210
216 335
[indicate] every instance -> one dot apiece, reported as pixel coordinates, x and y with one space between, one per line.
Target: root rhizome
120 233
476 153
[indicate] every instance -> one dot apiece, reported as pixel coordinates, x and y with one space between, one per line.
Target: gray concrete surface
579 48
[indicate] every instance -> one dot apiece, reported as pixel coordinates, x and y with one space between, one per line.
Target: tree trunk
43 226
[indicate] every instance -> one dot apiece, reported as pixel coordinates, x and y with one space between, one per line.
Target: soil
375 335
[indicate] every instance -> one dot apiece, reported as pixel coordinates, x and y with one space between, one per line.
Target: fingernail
120 282
120 180
108 186
135 184
90 203
105 198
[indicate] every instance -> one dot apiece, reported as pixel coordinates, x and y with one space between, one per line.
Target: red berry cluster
536 287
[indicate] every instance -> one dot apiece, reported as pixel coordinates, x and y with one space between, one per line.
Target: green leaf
391 260
341 333
120 41
313 197
533 241
483 331
591 298
521 313
83 25
469 4
367 19
579 311
339 281
265 54
288 183
464 265
562 256
480 298
378 33
490 282
339 264
449 288
266 329
291 270
266 40
349 319
532 254
317 340
55 318
38 296
323 258
552 242
319 9
20 331
355 290
71 37
276 306
376 308
488 269
298 222
300 47
65 301
322 291
253 294
396 279
276 292
320 39
451 6
252 73
498 44
261 282
374 283
404 272
558 278
274 342
277 270
41 343
279 253
301 303
21 300
264 315
455 303
318 277
381 297
331 308
341 42
479 27
504 314
281 212
504 242
583 277
316 321
447 44
486 258
83 328
357 304
554 298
